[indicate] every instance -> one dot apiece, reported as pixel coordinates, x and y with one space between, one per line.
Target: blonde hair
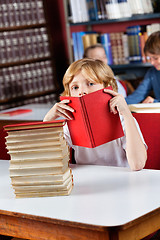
92 69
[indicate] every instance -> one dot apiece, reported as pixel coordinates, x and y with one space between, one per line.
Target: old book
41 179
93 123
34 125
39 159
45 194
45 187
34 163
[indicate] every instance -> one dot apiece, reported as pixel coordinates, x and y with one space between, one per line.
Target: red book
15 112
93 123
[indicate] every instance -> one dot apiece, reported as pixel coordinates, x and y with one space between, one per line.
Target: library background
40 38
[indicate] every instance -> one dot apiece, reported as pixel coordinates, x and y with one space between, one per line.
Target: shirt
110 154
150 82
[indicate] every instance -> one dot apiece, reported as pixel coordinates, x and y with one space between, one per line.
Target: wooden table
105 203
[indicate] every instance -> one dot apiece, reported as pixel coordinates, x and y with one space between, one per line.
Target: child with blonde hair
84 77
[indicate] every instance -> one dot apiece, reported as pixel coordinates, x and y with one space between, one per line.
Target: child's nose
82 93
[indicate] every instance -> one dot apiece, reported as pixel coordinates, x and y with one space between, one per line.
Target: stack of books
39 159
145 107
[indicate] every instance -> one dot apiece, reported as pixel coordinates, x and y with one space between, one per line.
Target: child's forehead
81 77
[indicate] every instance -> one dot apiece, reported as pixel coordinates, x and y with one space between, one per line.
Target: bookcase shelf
131 65
130 19
17 63
14 28
16 99
27 64
103 26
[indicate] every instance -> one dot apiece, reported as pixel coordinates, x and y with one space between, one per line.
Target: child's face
81 86
98 53
154 60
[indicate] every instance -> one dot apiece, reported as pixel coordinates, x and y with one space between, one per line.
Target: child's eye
91 84
75 87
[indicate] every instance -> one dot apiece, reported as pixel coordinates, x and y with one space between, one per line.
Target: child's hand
117 103
148 99
60 109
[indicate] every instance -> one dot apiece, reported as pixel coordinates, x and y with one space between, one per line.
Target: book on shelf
117 48
39 159
125 48
19 45
26 79
80 46
89 40
112 9
75 46
82 5
133 33
101 9
73 9
145 107
106 42
79 11
81 40
93 123
141 6
92 10
31 12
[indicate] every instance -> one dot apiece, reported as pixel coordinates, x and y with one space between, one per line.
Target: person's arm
60 109
142 91
135 149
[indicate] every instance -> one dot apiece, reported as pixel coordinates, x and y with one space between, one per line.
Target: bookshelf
112 26
27 66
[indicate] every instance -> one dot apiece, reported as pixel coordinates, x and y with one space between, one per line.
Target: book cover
93 123
15 112
36 125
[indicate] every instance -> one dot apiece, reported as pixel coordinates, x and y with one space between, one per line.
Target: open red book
93 123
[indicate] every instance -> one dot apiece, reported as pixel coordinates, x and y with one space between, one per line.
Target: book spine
74 11
134 44
112 9
125 48
86 122
105 41
92 10
80 44
136 6
125 9
75 46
